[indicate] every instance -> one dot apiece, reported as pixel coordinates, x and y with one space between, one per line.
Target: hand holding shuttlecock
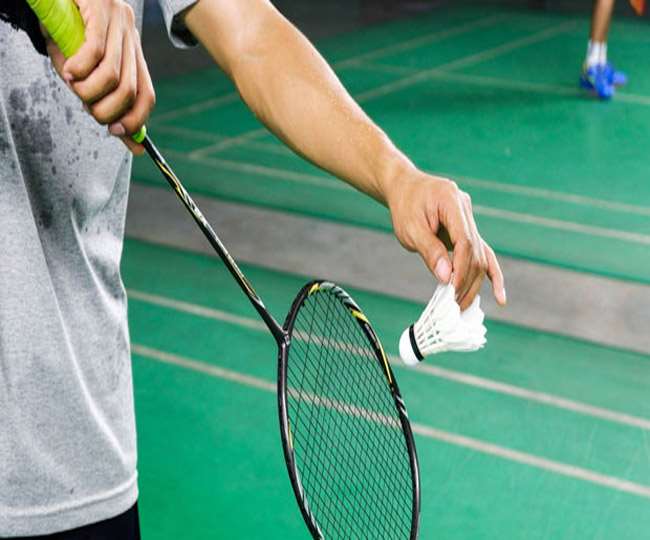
442 327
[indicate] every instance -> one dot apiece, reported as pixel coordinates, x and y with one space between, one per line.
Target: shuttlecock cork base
408 348
443 327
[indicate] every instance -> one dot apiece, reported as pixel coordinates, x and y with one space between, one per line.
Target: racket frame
314 287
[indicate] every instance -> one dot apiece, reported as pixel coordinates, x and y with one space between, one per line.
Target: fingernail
503 295
442 270
117 130
67 77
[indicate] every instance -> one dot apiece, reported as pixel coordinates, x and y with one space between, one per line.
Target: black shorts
126 526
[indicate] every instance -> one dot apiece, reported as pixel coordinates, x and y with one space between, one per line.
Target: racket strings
349 447
373 491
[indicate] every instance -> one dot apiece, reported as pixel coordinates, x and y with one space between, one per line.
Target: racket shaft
214 240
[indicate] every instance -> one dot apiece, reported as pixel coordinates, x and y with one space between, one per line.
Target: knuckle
452 186
127 95
112 78
481 263
128 13
464 242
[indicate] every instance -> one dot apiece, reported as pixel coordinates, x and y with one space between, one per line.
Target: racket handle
63 22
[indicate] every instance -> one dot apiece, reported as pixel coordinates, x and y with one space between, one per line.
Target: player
598 75
67 429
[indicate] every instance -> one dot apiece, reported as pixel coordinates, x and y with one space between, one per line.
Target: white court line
464 61
428 368
508 454
207 136
507 215
424 39
531 395
549 223
539 193
196 108
491 185
495 82
228 143
434 36
487 54
532 460
262 170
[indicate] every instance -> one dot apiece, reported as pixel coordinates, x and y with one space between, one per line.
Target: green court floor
536 436
485 95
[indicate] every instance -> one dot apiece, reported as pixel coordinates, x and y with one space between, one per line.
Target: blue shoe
596 80
617 78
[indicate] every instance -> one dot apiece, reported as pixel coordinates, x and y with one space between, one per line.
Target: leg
598 76
601 19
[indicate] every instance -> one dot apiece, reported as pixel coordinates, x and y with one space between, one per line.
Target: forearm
293 91
289 86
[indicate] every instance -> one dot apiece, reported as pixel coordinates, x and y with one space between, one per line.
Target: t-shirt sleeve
179 34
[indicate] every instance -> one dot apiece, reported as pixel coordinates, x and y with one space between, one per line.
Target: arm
293 91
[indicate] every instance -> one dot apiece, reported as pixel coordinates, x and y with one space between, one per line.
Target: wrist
395 170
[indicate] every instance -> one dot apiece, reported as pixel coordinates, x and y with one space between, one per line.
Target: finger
106 78
118 102
496 276
452 218
462 264
90 54
135 148
471 293
477 264
145 100
435 255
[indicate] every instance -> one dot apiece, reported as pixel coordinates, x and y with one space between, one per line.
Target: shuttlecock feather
443 327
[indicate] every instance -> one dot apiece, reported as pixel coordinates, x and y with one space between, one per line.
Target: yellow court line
423 430
497 213
428 368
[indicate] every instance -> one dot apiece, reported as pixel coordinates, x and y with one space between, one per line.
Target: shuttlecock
442 327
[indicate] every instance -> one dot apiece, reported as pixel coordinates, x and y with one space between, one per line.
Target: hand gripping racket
346 436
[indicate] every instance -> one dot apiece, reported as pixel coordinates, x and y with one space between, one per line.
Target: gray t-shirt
67 428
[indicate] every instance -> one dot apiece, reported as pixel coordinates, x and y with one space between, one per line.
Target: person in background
598 75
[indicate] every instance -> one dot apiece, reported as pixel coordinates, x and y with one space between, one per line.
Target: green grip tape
63 22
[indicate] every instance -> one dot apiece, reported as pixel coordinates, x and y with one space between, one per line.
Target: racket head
346 435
